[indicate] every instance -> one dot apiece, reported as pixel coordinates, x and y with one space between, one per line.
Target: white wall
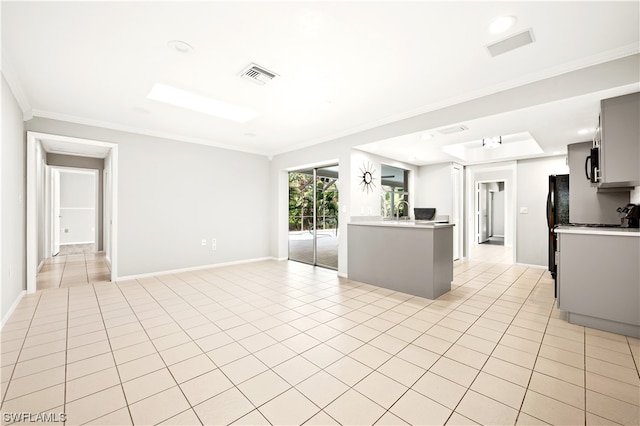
77 207
435 188
533 186
12 196
365 203
172 195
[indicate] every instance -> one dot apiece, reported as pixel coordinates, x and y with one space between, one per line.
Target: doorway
75 210
48 210
490 213
313 216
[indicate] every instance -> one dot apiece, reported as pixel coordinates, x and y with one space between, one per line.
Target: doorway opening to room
73 219
491 230
313 216
491 213
71 211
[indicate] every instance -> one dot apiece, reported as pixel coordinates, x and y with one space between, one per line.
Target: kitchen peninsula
410 257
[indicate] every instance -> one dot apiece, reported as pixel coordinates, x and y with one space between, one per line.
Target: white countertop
620 232
428 224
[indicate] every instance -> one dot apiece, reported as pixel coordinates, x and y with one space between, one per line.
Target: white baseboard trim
528 265
41 265
79 242
12 308
194 268
343 275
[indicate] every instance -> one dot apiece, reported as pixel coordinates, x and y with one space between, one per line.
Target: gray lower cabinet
599 281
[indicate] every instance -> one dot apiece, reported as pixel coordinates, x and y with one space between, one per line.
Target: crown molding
16 89
141 131
584 63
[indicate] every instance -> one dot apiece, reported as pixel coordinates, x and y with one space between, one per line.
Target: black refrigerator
557 214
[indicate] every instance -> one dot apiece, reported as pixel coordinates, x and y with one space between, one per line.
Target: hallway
73 270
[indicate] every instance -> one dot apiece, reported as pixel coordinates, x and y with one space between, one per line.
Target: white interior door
55 212
483 214
107 207
457 213
490 195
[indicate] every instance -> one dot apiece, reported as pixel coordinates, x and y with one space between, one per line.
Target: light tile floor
287 343
73 270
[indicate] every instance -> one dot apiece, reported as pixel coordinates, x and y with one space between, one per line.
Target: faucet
398 210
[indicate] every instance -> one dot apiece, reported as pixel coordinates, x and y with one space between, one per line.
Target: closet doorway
313 216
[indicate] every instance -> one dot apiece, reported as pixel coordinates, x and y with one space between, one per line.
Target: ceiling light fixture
585 131
501 24
183 99
491 143
426 136
180 46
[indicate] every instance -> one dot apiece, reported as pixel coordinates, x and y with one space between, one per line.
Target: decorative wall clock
366 177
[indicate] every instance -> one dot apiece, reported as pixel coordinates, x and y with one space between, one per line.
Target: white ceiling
343 67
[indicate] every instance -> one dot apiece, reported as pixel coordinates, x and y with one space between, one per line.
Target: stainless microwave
592 165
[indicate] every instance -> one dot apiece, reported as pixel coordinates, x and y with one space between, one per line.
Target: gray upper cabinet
620 141
586 203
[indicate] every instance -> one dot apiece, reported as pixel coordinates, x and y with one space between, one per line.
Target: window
395 192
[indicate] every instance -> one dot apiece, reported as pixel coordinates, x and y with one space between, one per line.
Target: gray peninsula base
410 258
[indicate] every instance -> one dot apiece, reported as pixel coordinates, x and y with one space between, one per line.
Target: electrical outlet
214 244
204 242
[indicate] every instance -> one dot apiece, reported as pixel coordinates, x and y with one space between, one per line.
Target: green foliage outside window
301 202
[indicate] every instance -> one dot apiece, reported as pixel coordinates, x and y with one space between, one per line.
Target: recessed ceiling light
180 46
426 136
501 24
182 98
585 131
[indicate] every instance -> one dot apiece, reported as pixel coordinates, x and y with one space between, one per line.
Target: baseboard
343 275
194 268
12 308
40 265
528 265
80 242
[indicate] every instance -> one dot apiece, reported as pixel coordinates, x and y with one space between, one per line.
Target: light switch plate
524 210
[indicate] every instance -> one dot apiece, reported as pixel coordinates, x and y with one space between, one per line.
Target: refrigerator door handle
549 210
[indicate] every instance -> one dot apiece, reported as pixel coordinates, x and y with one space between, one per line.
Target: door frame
489 200
76 146
314 169
50 215
506 172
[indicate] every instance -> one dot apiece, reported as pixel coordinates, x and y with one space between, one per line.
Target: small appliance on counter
424 213
631 218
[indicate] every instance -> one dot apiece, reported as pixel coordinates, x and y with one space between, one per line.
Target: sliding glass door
313 216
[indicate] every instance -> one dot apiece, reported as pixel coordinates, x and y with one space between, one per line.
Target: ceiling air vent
511 43
257 74
453 129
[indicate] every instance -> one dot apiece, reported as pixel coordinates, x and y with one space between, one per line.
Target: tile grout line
452 343
496 345
187 299
6 392
156 348
115 364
